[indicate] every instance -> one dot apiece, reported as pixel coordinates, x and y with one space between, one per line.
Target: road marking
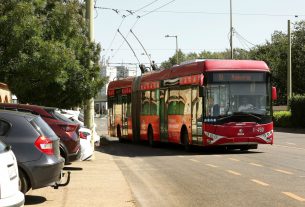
299 148
255 164
180 156
194 160
290 143
233 172
294 196
284 171
259 182
217 155
233 159
210 165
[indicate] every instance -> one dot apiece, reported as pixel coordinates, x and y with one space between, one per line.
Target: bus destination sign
238 77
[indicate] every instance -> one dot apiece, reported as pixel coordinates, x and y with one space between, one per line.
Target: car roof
22 105
17 113
41 110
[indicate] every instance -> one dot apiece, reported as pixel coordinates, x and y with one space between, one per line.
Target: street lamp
176 45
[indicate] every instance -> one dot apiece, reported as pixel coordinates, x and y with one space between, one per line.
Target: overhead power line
138 17
155 10
208 13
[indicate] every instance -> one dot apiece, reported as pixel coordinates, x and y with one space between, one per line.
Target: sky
199 25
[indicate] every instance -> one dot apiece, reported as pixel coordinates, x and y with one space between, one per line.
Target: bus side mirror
274 94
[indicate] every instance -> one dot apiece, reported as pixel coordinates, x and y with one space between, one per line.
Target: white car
9 179
75 116
85 143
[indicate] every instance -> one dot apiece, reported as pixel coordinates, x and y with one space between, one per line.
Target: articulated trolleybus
206 103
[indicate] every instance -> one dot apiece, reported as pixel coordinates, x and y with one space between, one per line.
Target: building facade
5 94
112 73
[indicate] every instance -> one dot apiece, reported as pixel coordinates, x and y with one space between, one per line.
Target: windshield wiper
254 115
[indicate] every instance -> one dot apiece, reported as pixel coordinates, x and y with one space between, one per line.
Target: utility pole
89 104
289 79
177 49
231 30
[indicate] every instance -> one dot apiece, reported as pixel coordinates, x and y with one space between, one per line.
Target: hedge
297 108
282 119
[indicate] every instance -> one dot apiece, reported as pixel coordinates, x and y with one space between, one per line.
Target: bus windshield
237 92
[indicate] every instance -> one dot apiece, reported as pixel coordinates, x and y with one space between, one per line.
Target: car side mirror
274 94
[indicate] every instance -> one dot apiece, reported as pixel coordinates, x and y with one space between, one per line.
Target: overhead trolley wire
138 17
123 18
215 13
158 8
116 33
244 39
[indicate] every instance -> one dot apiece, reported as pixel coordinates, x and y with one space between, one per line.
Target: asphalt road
168 176
135 175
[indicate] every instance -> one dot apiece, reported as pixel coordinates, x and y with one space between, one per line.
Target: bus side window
145 103
154 103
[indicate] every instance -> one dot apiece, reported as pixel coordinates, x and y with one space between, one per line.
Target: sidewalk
99 183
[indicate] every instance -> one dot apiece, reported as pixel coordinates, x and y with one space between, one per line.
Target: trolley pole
89 104
231 31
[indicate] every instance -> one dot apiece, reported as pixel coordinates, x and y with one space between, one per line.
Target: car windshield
59 116
3 147
230 97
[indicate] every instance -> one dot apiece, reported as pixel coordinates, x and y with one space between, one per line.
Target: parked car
85 142
63 128
36 148
77 118
9 188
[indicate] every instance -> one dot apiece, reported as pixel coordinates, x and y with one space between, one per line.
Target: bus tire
150 134
185 140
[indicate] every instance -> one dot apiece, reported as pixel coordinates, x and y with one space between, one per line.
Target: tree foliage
238 54
274 53
45 52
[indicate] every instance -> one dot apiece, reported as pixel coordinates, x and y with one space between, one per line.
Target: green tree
45 52
274 53
238 54
298 58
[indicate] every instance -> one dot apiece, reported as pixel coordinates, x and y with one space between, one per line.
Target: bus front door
163 115
196 116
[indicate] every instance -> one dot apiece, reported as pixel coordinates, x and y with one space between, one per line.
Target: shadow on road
73 168
127 149
34 200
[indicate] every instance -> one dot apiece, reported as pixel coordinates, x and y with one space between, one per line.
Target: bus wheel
185 140
151 141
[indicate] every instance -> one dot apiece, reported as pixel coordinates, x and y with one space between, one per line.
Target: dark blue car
35 146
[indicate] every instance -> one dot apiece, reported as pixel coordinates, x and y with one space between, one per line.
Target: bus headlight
214 137
266 136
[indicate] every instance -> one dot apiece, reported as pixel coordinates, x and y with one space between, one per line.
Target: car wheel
63 154
23 182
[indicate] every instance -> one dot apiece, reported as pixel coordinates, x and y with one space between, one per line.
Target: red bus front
237 109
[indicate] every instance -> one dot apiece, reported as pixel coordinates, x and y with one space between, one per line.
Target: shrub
297 108
282 119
